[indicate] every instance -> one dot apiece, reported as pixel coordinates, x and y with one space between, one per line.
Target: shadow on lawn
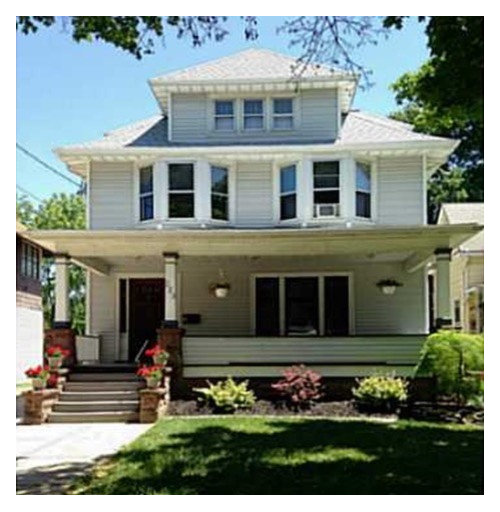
313 457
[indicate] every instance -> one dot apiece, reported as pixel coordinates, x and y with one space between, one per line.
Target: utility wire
46 165
27 192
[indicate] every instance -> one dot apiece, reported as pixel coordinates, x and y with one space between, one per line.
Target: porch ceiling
104 246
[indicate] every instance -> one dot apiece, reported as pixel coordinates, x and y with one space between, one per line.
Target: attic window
282 113
253 115
224 115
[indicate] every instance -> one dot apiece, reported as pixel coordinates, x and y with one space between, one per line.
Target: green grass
294 456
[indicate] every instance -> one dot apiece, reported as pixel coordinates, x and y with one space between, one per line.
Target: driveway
50 456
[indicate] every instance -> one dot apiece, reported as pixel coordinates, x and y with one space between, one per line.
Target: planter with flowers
55 356
153 375
39 376
159 355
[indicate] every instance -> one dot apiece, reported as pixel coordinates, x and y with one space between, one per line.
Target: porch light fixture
221 288
388 286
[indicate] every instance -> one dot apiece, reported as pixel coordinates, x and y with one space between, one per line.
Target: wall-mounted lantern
388 286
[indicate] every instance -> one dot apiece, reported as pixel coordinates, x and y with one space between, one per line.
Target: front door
146 312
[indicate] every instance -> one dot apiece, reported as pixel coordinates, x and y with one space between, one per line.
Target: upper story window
224 115
253 114
219 193
326 189
146 207
30 260
363 190
181 191
282 113
288 192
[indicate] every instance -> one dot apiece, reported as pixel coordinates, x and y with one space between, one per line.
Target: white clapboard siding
254 194
315 119
29 340
400 191
342 356
110 195
102 297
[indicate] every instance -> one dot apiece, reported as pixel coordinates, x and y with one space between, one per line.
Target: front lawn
244 455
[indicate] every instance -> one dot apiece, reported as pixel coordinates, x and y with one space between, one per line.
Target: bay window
146 204
363 190
288 192
326 189
224 115
282 113
253 115
181 191
219 193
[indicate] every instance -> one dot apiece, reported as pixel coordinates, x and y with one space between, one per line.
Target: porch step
89 386
103 377
105 368
97 396
99 406
93 417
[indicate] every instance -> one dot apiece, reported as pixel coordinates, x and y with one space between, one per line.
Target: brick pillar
154 402
65 338
38 405
170 339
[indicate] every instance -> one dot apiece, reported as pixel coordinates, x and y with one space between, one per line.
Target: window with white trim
219 193
181 191
326 189
282 114
146 206
224 115
253 115
363 190
30 260
288 192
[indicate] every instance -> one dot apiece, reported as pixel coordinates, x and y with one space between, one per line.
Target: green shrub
380 393
227 396
449 357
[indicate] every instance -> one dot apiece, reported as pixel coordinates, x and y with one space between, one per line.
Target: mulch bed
424 411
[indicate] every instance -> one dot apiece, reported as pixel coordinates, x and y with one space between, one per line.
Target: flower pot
388 290
38 383
152 383
55 362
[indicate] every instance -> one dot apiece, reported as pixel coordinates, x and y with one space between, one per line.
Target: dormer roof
255 70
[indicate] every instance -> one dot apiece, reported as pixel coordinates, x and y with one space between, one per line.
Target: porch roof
96 249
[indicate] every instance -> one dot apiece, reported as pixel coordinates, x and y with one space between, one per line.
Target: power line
27 192
46 165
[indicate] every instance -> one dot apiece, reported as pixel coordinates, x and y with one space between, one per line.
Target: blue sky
69 92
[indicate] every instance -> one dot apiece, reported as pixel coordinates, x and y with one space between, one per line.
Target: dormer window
224 115
146 207
253 115
282 114
363 190
326 183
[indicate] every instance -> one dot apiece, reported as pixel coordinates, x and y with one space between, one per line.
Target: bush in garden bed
227 396
300 387
380 394
455 359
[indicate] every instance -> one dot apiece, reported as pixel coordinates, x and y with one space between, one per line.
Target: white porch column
170 319
62 316
443 302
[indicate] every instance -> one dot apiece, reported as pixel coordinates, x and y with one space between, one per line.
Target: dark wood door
146 311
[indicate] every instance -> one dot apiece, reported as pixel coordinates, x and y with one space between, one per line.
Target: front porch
322 308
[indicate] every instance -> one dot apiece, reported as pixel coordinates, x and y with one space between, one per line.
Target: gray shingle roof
250 64
358 128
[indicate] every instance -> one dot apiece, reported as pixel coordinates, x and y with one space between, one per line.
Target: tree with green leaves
60 211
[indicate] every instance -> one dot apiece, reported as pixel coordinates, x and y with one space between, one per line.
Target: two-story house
254 220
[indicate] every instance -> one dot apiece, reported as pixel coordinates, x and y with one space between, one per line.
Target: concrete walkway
50 456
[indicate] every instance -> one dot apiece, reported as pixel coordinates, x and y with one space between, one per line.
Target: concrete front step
93 417
97 396
106 368
82 386
103 377
84 407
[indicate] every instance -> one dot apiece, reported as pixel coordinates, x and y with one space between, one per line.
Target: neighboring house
258 212
29 311
467 267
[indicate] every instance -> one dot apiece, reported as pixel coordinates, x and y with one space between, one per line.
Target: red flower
37 372
150 371
56 351
154 351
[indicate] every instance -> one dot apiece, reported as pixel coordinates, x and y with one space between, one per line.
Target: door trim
321 303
